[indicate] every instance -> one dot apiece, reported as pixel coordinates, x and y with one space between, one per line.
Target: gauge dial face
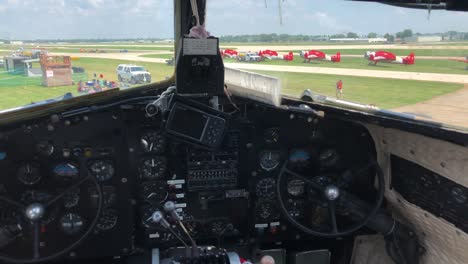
328 157
154 192
71 223
295 208
153 141
108 220
217 227
193 227
296 187
28 173
266 211
459 195
269 159
45 148
71 198
153 168
265 188
299 159
271 135
103 170
66 171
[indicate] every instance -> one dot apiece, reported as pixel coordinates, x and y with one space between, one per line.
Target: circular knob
35 211
169 206
332 192
157 217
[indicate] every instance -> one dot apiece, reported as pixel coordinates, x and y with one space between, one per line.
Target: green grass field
19 90
431 66
384 93
161 56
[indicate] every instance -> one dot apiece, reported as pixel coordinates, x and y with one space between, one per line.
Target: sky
71 19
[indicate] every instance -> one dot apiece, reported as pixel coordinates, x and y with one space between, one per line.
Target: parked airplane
229 53
319 55
388 57
273 55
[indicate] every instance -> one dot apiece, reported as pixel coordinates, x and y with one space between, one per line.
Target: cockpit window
51 50
411 61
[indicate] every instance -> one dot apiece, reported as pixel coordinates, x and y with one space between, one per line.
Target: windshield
134 69
411 61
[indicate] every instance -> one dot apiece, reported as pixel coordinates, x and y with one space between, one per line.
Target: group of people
96 85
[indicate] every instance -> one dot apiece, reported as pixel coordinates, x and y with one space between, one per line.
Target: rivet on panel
384 142
411 151
442 164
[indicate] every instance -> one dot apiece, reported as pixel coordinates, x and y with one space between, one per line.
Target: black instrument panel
431 191
225 194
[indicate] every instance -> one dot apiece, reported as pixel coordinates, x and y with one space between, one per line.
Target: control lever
170 207
158 218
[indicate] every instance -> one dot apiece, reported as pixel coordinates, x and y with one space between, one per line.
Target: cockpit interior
189 173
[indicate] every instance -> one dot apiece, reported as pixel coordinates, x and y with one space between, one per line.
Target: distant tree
372 35
452 34
338 36
390 38
352 35
465 37
407 33
399 35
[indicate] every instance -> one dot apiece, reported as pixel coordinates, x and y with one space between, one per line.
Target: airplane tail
409 59
337 57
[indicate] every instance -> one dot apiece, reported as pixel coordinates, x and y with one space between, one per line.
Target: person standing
339 90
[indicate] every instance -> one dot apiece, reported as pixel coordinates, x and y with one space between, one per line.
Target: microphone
170 207
158 218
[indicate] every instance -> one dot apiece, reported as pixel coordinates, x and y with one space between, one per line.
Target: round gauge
71 198
66 171
193 227
154 192
45 148
299 159
269 159
28 173
217 227
296 187
153 141
265 188
328 157
108 196
108 220
295 208
153 168
147 216
266 211
271 135
103 170
459 195
71 223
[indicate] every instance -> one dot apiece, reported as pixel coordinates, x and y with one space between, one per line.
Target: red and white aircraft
319 55
273 55
229 53
267 53
388 57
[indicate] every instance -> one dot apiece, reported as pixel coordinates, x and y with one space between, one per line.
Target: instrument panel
223 194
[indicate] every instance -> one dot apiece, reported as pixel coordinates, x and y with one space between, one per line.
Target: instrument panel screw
72 254
67 122
310 119
85 118
124 180
442 164
292 116
412 152
50 127
131 149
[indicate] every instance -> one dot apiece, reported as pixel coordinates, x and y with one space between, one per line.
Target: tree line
402 35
